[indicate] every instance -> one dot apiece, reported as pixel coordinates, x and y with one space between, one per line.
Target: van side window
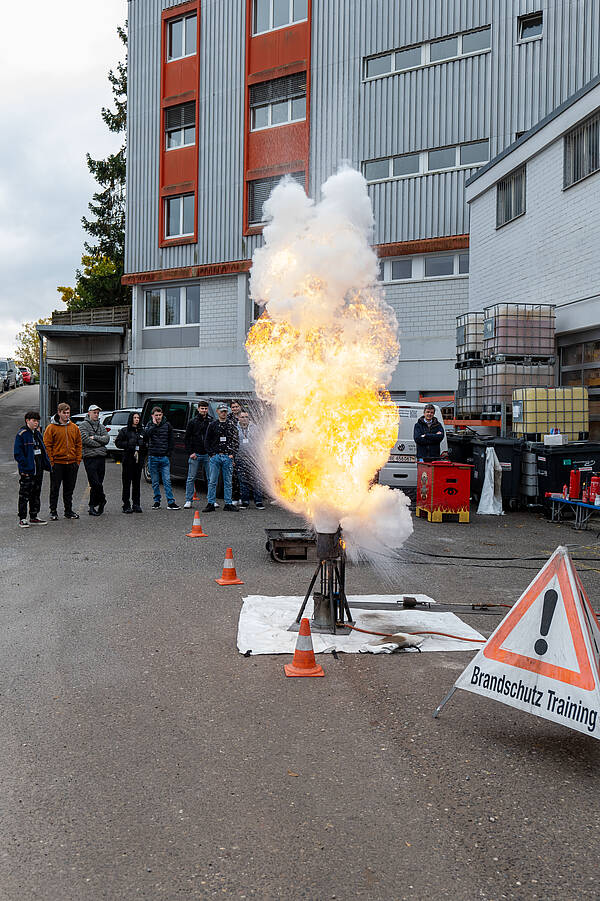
176 413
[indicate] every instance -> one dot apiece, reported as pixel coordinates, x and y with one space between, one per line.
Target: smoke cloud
321 356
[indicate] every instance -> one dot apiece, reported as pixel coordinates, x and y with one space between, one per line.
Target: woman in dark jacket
132 441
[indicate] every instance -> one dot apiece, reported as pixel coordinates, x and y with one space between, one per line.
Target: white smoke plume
321 357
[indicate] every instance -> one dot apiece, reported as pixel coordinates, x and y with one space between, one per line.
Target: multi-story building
535 232
225 97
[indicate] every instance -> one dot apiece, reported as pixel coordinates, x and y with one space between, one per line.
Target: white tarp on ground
264 622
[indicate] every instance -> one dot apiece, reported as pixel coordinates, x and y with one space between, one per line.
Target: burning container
443 487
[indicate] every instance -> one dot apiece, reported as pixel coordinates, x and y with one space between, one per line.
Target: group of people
224 446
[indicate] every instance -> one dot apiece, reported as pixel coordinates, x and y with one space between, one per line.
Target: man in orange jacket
63 445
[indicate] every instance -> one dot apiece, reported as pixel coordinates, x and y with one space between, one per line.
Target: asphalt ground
141 756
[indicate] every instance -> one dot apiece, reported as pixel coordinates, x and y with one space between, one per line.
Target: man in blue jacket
32 459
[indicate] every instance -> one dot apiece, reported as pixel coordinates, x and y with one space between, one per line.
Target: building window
438 266
271 14
423 266
260 190
469 156
180 125
152 316
172 306
192 304
510 197
582 151
181 37
179 216
531 26
278 102
401 269
430 53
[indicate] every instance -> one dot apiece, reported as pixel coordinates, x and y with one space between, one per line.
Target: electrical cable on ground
392 634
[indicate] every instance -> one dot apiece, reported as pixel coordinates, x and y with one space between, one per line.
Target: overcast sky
53 84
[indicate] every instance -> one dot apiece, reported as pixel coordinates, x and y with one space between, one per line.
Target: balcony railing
96 316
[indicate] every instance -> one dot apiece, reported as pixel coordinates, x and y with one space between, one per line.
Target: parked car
8 373
114 422
20 381
26 374
401 469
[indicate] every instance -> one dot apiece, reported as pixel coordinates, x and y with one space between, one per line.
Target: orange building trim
179 82
285 148
185 272
423 245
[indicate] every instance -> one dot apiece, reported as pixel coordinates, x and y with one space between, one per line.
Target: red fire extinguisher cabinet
443 488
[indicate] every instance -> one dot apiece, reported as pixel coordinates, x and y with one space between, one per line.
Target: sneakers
260 506
53 515
127 509
230 508
173 506
137 509
243 505
209 508
72 515
23 524
93 512
187 505
101 508
156 505
36 521
217 505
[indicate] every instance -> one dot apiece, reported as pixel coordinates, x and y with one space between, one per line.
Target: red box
443 487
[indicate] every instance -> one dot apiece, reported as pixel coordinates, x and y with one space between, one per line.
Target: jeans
220 463
95 468
248 482
64 474
191 476
160 468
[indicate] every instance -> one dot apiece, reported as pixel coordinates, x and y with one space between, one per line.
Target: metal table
582 512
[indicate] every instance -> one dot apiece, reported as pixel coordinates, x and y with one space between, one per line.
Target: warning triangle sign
544 657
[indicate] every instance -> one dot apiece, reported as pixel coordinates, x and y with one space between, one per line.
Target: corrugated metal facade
491 95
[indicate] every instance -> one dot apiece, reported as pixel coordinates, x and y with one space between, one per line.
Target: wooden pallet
442 515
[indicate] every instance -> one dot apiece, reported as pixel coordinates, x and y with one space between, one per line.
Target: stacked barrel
469 365
518 351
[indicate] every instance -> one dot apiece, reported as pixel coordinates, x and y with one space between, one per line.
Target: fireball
321 355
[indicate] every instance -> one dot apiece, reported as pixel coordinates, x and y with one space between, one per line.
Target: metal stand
439 709
331 604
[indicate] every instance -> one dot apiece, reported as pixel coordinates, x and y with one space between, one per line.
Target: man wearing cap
94 438
428 434
195 445
222 444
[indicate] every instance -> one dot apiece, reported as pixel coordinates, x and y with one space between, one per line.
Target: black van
179 412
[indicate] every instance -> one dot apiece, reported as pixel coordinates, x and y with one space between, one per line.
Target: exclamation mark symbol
550 599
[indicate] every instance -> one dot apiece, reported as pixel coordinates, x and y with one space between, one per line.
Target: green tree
27 351
98 284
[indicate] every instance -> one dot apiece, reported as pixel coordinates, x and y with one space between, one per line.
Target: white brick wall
218 312
549 255
426 312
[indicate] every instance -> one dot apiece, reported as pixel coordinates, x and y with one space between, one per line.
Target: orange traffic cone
229 576
304 663
197 528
